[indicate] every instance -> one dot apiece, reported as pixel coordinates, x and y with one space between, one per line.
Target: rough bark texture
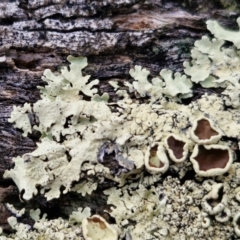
114 34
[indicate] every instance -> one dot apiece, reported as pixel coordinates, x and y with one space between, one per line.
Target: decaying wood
113 34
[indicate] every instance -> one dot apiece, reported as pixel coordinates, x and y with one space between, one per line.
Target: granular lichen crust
161 154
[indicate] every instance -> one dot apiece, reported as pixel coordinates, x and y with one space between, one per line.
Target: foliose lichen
153 132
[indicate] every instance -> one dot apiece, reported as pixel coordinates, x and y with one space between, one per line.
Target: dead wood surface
115 35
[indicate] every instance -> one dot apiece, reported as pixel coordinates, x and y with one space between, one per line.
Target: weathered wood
114 35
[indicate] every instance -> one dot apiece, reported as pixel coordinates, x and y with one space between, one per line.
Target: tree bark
113 35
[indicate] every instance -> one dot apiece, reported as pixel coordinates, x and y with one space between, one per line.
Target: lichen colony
149 133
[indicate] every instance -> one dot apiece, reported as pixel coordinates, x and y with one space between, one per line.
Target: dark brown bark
114 35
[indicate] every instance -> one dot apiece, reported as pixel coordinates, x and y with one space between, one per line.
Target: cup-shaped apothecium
211 160
96 227
204 132
236 221
177 148
156 160
215 201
